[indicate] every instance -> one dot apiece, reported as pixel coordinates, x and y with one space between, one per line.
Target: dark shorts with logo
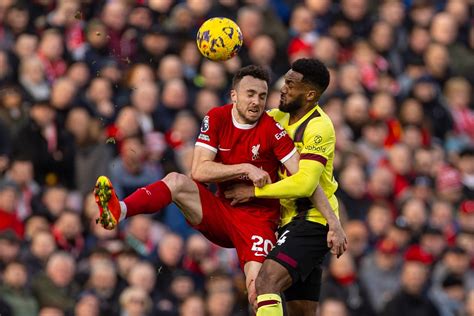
301 248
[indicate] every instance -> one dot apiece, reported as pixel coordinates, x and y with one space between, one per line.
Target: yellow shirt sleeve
301 184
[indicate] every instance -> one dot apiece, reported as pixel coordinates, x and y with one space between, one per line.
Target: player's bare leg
185 194
272 280
251 269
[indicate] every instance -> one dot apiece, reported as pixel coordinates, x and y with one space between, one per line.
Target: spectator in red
50 148
400 163
466 215
400 233
9 195
126 125
383 107
50 51
67 17
411 114
442 217
122 40
449 185
343 282
370 64
21 173
67 231
199 259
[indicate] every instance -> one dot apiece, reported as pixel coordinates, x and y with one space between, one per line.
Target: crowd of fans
118 88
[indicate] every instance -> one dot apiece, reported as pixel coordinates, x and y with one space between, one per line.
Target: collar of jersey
240 125
305 116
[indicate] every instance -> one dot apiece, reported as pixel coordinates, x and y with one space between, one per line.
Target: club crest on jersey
318 139
205 124
255 154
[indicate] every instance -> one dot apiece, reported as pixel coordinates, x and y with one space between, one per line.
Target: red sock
149 199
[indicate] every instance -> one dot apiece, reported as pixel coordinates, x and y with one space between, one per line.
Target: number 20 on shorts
261 246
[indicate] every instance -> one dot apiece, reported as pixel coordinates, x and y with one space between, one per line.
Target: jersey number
261 246
282 238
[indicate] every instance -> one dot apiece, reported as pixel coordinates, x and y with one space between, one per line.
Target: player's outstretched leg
109 205
145 200
149 199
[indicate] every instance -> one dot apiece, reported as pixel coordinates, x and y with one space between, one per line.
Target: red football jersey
264 144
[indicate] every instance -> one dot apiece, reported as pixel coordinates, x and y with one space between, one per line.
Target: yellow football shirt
315 140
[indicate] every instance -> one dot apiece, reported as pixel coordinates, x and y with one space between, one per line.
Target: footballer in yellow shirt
315 140
305 235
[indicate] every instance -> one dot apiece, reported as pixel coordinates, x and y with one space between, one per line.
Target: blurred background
119 88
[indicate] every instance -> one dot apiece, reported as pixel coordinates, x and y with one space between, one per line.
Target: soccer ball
219 39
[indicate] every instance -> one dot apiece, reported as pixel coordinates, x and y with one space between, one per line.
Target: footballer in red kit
249 227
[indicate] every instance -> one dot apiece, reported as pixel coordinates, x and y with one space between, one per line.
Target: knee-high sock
148 199
269 305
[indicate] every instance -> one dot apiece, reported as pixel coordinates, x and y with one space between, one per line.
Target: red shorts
250 231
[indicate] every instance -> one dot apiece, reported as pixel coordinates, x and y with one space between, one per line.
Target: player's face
249 99
292 92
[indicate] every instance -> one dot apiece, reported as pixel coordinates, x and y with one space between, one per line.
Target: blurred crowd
118 88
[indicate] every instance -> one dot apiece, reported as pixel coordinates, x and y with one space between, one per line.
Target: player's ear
312 95
233 96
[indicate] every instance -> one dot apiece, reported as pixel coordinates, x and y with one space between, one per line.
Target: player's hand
258 176
337 239
240 193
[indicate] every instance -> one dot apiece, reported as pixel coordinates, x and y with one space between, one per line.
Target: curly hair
314 72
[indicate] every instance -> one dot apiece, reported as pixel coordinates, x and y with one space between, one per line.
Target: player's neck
298 114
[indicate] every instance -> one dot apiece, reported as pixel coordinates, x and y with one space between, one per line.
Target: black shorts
301 248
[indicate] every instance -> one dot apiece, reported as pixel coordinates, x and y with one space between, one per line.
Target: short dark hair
253 71
467 151
314 72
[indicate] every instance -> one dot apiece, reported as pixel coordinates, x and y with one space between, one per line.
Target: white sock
123 211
